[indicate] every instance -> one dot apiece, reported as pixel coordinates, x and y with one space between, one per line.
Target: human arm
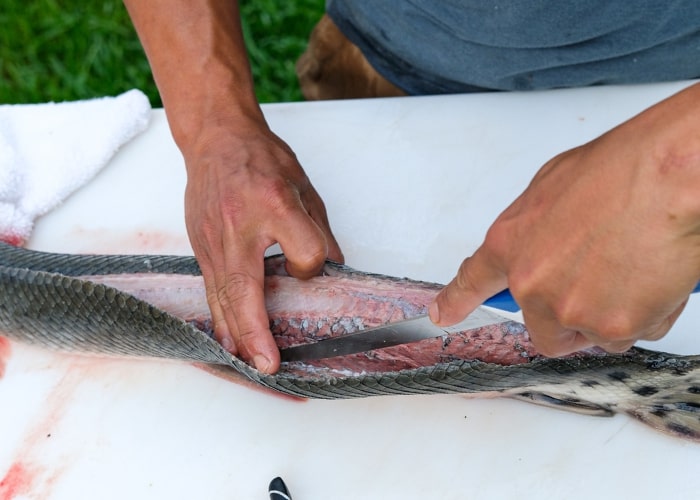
603 247
245 188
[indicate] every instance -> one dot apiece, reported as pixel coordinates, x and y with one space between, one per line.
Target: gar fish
154 306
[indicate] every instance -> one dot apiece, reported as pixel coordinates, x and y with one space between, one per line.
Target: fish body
155 306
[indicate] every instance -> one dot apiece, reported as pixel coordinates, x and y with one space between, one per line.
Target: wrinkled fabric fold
454 46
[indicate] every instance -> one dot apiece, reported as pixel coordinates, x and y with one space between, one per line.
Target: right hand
245 192
603 247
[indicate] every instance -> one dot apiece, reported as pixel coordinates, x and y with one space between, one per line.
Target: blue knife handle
505 301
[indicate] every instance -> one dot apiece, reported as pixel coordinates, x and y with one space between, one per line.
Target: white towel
49 150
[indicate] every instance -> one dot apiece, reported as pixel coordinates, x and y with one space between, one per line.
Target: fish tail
672 412
661 390
667 397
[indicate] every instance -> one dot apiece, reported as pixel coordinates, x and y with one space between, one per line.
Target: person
600 249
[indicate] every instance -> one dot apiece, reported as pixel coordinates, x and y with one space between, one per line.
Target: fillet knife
401 332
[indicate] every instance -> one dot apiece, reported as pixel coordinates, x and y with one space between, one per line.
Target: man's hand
245 193
603 247
245 188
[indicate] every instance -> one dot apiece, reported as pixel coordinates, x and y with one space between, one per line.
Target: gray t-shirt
451 46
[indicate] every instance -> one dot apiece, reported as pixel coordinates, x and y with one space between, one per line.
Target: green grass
276 34
53 50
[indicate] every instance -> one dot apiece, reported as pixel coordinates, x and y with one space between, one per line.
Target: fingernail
226 343
434 312
261 363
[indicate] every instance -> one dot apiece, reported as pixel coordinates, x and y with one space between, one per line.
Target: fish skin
44 301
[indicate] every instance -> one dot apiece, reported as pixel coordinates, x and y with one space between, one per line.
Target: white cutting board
411 185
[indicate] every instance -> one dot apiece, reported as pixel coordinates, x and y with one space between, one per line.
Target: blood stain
13 239
230 375
133 241
17 481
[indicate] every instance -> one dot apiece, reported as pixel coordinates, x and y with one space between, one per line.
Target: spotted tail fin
672 412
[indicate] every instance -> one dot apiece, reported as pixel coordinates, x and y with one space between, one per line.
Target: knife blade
401 332
391 334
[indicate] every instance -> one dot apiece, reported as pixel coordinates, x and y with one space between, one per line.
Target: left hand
246 191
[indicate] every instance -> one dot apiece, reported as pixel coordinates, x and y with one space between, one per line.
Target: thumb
477 280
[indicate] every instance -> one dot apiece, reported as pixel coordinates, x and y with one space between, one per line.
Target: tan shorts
332 67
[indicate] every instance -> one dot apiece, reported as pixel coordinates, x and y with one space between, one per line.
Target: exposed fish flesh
155 306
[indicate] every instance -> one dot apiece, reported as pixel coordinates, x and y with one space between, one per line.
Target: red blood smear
13 239
228 374
4 354
17 481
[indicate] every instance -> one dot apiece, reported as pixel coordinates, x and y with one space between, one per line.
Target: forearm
199 62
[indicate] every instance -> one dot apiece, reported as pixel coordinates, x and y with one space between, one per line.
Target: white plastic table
411 185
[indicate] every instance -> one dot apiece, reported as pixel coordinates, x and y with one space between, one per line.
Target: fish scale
44 301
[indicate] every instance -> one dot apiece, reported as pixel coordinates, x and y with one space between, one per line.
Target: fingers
242 299
549 337
235 286
306 239
662 329
317 211
208 256
218 319
654 332
552 339
305 246
477 280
